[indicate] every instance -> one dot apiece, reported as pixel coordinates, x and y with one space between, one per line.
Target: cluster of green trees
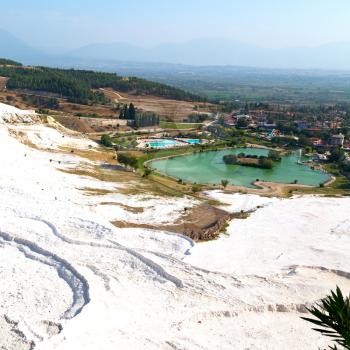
128 112
138 86
56 81
337 157
221 132
146 119
78 85
249 160
242 123
7 62
137 118
265 163
197 117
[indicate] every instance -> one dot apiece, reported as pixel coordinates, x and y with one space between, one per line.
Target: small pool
163 143
193 142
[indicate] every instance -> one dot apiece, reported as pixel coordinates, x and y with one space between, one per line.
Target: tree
124 113
242 123
337 154
308 149
333 318
131 112
304 141
246 108
224 183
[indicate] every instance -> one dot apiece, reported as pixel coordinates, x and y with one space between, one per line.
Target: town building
336 140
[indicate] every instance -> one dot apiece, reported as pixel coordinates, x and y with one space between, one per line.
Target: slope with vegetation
78 85
7 62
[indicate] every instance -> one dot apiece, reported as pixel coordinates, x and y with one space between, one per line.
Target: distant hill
200 52
223 52
7 62
12 47
196 52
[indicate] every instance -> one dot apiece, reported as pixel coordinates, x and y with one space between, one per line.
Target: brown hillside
168 109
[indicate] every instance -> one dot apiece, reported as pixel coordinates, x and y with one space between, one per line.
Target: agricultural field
179 126
172 110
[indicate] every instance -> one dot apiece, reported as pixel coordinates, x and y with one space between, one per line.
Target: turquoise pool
193 142
163 143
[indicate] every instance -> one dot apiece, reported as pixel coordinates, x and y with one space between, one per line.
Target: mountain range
205 52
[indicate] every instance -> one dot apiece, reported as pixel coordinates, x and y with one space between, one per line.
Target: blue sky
268 23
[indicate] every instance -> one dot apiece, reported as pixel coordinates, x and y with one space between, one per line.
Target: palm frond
332 318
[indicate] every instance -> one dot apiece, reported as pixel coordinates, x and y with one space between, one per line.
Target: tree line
137 118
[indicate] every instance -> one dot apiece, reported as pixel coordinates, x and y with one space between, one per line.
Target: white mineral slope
47 138
307 231
10 114
71 280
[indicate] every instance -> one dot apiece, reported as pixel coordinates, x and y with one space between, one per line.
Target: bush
195 189
147 172
106 141
127 159
42 111
224 183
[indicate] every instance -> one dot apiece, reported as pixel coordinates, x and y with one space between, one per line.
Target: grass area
340 187
179 126
256 141
150 155
102 155
135 184
125 141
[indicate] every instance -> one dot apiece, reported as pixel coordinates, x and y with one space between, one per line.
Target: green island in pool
209 168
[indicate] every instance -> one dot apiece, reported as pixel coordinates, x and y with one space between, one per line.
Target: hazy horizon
267 24
295 34
53 48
